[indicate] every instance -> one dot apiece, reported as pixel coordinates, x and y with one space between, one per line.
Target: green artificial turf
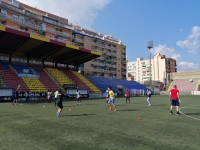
92 126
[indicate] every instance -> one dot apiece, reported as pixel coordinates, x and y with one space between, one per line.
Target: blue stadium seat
103 83
5 66
19 68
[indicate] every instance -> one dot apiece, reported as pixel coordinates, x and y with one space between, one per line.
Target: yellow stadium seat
61 78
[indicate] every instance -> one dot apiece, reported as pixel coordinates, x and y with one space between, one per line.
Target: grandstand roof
23 44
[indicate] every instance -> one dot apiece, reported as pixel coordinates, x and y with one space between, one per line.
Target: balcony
123 67
63 34
123 56
123 73
123 62
98 64
108 53
113 60
22 11
22 23
97 70
95 44
113 54
108 47
123 51
78 40
101 58
57 39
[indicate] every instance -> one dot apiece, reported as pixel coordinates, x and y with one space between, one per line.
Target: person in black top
60 104
16 96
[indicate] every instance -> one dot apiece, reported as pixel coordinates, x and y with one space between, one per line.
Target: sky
172 25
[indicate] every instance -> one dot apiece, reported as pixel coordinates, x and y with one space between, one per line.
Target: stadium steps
59 77
87 82
54 80
62 71
198 86
77 81
169 86
45 79
34 85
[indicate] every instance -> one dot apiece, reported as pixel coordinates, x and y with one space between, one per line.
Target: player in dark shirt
16 96
60 104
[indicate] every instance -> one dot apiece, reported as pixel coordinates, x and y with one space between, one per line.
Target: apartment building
22 17
161 67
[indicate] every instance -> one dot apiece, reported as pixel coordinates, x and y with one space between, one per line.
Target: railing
123 51
113 60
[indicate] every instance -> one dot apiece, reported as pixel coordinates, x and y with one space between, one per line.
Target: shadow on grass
161 105
81 115
129 110
192 113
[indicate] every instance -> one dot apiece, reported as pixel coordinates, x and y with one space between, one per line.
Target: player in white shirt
78 97
56 97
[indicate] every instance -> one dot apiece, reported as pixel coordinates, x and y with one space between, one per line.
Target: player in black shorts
60 104
16 96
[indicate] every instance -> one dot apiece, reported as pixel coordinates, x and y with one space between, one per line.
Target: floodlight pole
149 46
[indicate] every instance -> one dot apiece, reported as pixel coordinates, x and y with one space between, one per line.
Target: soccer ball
191 80
79 71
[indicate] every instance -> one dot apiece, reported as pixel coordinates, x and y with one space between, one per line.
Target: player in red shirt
127 95
175 99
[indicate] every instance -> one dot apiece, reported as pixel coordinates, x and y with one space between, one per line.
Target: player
127 95
107 96
111 101
78 97
16 96
149 97
175 99
56 97
48 97
60 104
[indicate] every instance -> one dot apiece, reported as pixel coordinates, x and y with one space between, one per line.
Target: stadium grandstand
39 53
186 81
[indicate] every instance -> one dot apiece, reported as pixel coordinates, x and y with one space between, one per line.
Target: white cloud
169 52
83 12
185 66
192 42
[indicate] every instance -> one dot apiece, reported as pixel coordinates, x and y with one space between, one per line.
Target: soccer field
91 126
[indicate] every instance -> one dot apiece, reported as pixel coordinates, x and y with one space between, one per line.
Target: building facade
22 17
161 67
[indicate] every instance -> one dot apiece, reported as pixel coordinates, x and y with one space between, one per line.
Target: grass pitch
92 126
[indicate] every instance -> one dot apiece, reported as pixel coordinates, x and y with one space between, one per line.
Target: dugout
71 93
6 94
